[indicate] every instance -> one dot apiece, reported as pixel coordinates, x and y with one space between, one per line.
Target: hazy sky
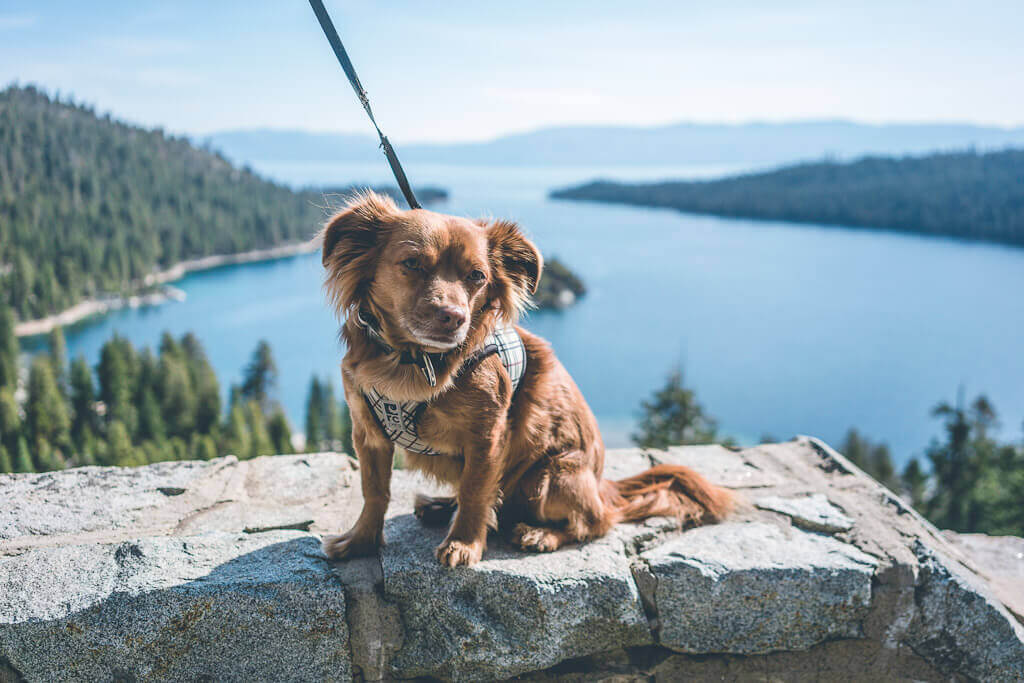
454 70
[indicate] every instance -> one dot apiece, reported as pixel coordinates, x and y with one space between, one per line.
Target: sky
459 70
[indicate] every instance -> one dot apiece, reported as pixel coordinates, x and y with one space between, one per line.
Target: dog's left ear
516 265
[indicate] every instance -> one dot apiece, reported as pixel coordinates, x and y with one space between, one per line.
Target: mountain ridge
677 143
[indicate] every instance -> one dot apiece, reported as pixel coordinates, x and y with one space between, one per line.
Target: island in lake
965 195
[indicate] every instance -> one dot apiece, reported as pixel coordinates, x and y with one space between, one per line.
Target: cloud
13 22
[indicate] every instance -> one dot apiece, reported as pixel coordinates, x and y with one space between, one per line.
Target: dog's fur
534 459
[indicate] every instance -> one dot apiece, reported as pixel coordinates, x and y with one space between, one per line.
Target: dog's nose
451 318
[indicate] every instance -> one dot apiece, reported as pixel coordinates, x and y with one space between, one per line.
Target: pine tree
207 397
23 458
85 448
236 433
59 358
8 348
203 447
873 458
46 414
674 417
117 380
10 420
256 420
280 432
260 376
338 424
6 465
151 422
83 400
120 451
315 410
179 401
914 481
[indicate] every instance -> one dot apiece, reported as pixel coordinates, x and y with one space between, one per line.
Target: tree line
137 407
959 194
973 482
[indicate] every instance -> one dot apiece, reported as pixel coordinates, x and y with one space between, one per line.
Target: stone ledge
213 570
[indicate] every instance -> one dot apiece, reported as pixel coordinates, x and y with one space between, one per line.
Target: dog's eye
411 263
477 276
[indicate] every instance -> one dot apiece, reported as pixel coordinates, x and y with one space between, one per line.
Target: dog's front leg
477 497
375 453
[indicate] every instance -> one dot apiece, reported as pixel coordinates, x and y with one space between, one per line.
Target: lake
781 329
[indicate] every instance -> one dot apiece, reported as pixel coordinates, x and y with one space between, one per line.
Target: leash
350 71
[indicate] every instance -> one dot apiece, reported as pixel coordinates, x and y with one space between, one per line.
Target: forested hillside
137 407
965 195
89 205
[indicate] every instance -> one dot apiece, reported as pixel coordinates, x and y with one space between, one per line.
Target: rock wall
213 571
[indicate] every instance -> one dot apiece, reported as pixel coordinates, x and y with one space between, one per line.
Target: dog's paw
433 511
454 553
350 544
535 538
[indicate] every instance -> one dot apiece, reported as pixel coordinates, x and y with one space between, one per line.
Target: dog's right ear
350 240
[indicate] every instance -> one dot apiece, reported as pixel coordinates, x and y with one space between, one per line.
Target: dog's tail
667 491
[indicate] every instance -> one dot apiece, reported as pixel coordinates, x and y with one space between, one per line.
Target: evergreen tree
674 417
117 381
46 415
59 358
280 432
315 410
914 482
874 459
151 421
6 464
85 448
83 400
120 451
179 401
8 348
259 437
23 458
336 420
203 447
10 420
236 433
260 376
47 459
206 386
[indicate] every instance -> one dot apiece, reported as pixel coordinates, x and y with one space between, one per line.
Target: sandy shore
92 307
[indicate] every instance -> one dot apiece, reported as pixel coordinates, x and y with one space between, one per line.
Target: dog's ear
350 241
516 266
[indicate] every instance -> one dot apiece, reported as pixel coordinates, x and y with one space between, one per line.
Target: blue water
781 329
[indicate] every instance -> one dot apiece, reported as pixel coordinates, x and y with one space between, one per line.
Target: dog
423 297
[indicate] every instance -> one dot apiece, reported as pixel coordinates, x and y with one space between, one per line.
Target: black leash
350 71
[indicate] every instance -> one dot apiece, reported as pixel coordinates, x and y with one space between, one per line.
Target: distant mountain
683 143
965 195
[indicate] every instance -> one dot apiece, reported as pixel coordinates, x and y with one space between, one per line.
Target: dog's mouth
440 342
437 340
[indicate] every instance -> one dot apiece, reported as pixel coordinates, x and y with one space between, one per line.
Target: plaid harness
399 419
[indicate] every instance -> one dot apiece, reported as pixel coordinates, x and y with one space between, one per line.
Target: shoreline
95 307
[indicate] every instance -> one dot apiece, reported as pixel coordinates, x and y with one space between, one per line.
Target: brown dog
422 292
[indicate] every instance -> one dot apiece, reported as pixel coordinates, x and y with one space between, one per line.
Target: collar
424 361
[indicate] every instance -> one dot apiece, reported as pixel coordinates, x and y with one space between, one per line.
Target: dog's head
428 276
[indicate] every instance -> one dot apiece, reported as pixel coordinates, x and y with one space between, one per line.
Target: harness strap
346 64
425 361
400 419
